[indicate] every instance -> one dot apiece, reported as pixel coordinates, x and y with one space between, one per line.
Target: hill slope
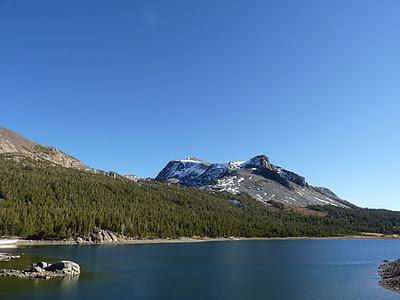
17 146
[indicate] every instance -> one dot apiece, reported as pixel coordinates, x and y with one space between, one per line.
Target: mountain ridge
40 199
18 146
257 177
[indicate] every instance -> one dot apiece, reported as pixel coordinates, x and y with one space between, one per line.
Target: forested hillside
42 201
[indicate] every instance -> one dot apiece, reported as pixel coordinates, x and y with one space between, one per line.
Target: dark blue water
222 270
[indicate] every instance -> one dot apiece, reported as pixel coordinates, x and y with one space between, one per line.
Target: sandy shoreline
23 242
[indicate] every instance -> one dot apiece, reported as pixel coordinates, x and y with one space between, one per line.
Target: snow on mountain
257 177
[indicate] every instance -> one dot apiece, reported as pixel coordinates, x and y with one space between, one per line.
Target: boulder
65 267
100 236
42 264
43 270
103 236
37 270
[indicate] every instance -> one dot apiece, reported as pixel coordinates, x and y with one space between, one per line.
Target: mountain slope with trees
40 200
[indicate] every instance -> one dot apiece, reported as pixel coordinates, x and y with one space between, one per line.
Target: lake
276 269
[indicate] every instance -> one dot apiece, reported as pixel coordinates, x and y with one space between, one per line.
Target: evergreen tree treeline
42 201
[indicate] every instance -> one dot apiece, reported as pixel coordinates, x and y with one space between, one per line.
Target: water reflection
69 282
11 286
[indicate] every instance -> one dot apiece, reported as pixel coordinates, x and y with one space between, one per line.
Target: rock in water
42 264
44 270
65 267
8 257
390 273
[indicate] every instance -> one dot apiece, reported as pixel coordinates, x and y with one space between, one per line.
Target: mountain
256 177
44 201
17 147
45 193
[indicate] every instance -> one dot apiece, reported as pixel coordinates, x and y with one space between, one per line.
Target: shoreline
24 242
390 275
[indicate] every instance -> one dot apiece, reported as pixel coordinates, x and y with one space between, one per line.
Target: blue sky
129 85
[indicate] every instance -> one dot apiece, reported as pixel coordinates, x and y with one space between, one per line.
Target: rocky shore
8 257
100 236
44 270
390 274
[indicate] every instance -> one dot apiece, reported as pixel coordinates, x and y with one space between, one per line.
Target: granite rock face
100 236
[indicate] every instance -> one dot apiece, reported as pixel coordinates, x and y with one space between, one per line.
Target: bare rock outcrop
101 236
43 270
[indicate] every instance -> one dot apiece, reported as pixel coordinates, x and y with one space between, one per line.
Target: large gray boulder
100 236
103 236
43 270
65 267
42 264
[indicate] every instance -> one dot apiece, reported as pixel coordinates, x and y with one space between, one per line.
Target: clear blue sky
129 85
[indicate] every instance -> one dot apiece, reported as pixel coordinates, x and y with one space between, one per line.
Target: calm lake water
221 270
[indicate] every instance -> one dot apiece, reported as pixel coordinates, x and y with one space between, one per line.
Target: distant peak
259 161
193 158
4 130
16 144
11 142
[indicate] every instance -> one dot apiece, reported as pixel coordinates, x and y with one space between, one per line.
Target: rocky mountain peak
193 158
18 146
258 161
257 177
